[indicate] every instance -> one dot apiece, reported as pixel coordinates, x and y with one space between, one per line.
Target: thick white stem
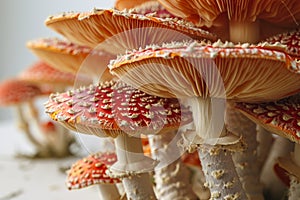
265 140
218 167
108 192
220 174
134 167
172 177
273 187
246 161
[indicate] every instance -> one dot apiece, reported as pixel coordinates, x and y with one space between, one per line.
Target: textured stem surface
172 177
134 167
220 173
246 161
108 192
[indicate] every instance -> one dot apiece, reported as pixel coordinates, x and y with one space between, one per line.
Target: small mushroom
91 170
69 57
120 111
280 117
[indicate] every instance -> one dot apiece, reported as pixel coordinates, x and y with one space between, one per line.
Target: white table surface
23 179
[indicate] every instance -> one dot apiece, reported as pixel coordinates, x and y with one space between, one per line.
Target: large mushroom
246 21
280 117
91 170
210 71
120 111
117 31
69 57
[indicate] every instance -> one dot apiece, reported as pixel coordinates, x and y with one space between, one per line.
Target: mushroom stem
24 126
246 161
265 140
172 177
220 173
218 166
244 31
108 191
273 187
134 167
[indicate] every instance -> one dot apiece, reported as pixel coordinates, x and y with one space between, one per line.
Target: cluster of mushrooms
214 80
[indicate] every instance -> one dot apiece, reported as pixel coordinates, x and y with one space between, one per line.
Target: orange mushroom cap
206 12
125 30
14 91
70 57
91 170
243 72
128 4
111 109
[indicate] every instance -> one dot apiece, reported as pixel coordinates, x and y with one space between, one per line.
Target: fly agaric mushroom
207 71
91 170
19 93
69 57
280 117
245 20
116 31
120 111
42 74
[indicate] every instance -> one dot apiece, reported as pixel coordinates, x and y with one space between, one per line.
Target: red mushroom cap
113 108
125 30
91 170
153 8
14 91
245 72
281 117
290 39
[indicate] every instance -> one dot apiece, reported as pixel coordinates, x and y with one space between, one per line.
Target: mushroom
91 170
116 31
120 111
69 57
280 117
210 71
19 93
246 21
